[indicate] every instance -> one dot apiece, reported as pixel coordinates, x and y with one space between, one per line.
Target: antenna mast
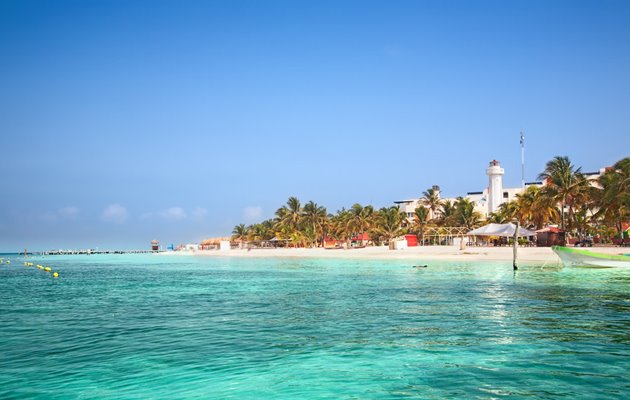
522 160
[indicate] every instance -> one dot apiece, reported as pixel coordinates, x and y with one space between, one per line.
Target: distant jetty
92 251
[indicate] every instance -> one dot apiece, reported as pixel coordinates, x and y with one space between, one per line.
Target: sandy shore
446 253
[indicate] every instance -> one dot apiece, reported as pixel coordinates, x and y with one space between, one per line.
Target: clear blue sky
124 121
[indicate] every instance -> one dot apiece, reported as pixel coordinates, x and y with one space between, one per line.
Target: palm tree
420 217
431 199
267 229
465 213
505 213
315 216
239 232
360 218
289 216
565 184
256 232
388 223
338 225
302 238
582 220
613 197
525 205
295 212
534 208
447 213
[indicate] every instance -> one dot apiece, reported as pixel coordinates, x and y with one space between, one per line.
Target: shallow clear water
139 327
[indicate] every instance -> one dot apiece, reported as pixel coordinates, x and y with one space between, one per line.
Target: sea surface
169 327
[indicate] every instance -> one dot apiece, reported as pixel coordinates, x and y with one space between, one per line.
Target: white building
409 206
491 198
482 204
495 187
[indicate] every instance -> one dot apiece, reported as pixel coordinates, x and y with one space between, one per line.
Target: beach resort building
409 206
489 199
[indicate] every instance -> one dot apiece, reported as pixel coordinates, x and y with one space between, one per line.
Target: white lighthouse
495 186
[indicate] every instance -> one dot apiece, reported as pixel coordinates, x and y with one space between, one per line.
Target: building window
505 195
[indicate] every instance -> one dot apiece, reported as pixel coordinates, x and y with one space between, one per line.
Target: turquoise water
137 327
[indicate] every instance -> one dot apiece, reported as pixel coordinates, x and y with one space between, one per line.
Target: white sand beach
420 253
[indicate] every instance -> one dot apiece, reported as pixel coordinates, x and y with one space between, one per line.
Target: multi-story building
410 205
491 198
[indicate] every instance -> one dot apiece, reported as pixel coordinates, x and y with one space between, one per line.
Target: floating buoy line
46 269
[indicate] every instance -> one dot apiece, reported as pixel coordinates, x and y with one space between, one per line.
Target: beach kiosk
550 236
155 245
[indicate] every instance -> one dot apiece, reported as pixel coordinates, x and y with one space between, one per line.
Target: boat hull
585 258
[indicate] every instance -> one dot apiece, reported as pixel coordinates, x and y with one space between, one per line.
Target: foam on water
125 326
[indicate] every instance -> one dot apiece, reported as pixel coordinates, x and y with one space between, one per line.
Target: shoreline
443 253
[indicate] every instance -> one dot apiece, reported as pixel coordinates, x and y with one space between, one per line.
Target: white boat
585 258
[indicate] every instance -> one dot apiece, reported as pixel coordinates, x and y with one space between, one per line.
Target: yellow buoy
47 269
55 274
8 261
40 267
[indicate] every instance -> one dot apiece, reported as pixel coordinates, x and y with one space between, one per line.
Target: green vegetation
567 198
310 225
572 201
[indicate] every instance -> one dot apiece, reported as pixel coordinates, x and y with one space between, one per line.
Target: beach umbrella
506 230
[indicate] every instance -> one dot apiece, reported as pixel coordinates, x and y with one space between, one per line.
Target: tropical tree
420 221
338 226
505 213
359 219
303 237
289 217
267 229
447 213
582 218
613 196
256 232
315 218
534 208
565 184
465 214
431 199
389 223
567 198
239 232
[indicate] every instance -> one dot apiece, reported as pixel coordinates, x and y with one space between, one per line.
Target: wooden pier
92 251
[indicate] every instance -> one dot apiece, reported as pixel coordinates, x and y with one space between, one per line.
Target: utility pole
515 246
522 160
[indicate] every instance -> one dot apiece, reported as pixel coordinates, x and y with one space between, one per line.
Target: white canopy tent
506 230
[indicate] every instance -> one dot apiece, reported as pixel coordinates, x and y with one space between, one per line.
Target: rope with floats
46 269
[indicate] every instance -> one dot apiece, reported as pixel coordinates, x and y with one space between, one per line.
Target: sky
127 121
